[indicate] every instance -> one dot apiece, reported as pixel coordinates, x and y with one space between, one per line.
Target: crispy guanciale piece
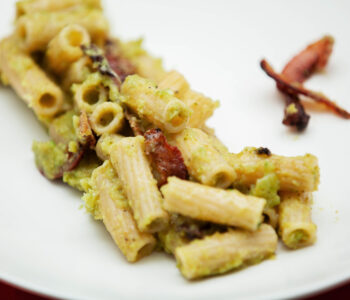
295 88
54 159
263 150
134 122
85 135
166 160
100 62
294 113
120 65
313 58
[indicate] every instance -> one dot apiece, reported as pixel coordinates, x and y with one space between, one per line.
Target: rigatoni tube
295 225
176 82
38 29
105 144
159 107
295 174
90 93
77 72
107 117
229 207
32 6
130 162
203 161
223 252
65 49
202 108
117 216
30 83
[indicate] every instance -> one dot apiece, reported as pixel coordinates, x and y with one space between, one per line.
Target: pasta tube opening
93 95
295 224
64 48
75 37
90 94
107 118
47 100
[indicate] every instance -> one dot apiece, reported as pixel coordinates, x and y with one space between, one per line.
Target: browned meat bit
313 58
263 150
120 65
135 123
194 229
166 160
100 62
85 135
294 113
297 70
298 89
72 162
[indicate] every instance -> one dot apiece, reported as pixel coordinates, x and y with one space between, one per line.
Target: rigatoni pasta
201 106
130 162
64 49
206 203
89 94
176 82
157 106
77 72
38 29
204 162
117 216
133 138
25 7
32 85
295 174
105 144
223 252
107 117
295 225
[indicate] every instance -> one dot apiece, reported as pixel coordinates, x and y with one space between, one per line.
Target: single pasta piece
77 72
25 7
38 29
176 82
295 174
202 108
149 67
117 216
159 107
64 49
90 93
105 144
107 117
223 252
146 66
295 225
30 83
228 207
130 162
271 215
203 161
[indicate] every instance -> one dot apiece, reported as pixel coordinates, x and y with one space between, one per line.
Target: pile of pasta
132 137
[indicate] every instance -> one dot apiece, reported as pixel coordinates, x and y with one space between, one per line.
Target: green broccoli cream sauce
267 187
49 158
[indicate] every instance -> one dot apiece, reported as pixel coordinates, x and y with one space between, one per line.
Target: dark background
8 292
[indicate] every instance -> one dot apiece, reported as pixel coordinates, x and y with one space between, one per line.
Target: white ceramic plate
49 245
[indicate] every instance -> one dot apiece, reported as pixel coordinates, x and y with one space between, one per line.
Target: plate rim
310 289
